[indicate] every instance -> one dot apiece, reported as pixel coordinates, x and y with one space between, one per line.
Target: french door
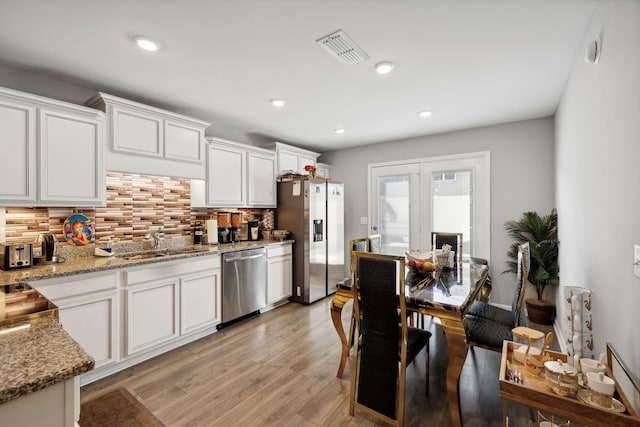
394 206
409 200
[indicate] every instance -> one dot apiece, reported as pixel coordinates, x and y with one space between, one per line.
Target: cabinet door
303 161
287 162
323 170
152 315
200 301
93 322
261 173
18 159
71 159
135 132
183 142
279 285
226 176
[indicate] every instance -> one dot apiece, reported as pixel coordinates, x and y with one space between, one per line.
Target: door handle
374 227
244 258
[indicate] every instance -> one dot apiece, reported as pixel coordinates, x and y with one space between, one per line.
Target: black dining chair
438 239
375 243
387 343
487 325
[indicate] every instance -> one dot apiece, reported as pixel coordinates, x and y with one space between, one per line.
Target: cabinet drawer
73 286
273 251
170 269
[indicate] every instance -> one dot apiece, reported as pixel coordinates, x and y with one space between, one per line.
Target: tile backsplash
136 205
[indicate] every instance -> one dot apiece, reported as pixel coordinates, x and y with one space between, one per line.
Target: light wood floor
279 369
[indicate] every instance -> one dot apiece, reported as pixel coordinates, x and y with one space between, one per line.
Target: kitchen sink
159 253
141 255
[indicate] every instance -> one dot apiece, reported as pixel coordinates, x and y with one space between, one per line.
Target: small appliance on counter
224 222
48 249
16 255
243 233
236 224
198 234
254 230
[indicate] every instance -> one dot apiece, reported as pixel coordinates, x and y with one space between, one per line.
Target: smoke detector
341 47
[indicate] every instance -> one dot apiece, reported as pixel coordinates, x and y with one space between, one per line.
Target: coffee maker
48 249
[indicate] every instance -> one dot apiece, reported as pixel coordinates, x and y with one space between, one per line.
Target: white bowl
601 383
590 365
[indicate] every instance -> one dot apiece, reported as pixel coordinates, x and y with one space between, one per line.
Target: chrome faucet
156 240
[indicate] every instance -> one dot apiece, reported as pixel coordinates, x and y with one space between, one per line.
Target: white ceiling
473 62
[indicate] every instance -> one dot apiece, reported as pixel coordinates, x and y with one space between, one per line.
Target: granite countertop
37 357
44 354
87 264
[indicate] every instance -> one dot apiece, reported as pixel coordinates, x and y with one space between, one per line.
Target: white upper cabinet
238 175
323 170
148 140
135 132
292 158
52 152
71 165
18 160
261 179
226 175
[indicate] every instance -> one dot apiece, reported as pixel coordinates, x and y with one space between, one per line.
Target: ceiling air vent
343 48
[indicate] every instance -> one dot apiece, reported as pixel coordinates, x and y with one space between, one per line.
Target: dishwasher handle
243 258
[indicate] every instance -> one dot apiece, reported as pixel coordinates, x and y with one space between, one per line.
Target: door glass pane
451 204
393 213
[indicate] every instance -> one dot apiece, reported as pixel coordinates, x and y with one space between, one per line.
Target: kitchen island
39 382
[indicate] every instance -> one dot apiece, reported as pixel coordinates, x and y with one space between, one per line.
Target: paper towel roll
212 231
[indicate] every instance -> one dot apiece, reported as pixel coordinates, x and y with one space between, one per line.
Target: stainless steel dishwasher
244 282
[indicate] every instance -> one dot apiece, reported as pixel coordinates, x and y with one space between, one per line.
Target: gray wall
598 150
522 178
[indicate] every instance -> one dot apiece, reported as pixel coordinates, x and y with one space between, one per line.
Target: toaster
16 255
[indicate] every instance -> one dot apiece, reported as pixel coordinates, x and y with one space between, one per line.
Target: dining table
447 294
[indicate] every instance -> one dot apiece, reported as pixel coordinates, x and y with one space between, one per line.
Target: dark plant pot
540 312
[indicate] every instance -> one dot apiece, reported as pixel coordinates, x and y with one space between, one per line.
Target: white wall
597 172
522 178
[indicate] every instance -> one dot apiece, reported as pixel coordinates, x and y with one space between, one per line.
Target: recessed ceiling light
339 131
384 67
146 43
278 102
425 113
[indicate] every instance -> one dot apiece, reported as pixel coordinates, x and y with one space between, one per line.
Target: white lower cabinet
89 311
170 301
200 301
125 316
93 323
152 315
279 273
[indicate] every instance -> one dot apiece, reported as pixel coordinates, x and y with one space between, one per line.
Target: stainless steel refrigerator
312 211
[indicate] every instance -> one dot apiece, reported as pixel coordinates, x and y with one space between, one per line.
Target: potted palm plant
542 234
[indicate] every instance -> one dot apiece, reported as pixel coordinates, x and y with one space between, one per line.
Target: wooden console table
534 392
